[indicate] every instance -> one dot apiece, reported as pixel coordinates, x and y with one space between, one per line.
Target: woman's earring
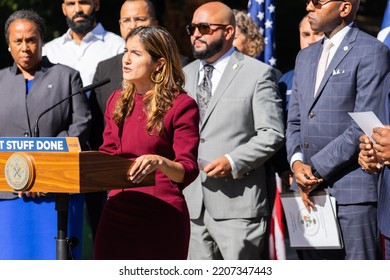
157 77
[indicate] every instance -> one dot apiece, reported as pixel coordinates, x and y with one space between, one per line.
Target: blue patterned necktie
203 93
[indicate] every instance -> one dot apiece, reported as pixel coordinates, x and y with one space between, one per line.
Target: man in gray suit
240 129
322 140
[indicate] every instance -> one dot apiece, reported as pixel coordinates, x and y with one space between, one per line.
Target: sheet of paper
316 229
366 121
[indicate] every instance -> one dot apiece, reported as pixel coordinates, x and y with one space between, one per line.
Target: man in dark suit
241 128
133 13
322 140
375 158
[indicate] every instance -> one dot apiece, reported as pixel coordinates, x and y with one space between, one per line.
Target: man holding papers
322 140
373 157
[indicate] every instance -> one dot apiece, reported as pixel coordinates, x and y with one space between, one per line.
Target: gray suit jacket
245 120
52 83
320 126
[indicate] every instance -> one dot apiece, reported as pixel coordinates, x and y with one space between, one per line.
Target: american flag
263 14
384 34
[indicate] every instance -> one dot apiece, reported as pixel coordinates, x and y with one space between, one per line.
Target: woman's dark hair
29 15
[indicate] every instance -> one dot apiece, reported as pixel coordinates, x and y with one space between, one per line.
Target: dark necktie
203 93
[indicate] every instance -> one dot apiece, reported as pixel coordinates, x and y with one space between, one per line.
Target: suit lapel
192 77
228 75
344 48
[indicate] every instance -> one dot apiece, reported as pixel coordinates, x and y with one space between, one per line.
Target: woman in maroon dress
154 122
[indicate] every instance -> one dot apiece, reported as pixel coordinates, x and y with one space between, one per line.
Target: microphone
82 90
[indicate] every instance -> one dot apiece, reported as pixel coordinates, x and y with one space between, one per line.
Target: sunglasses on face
203 28
317 2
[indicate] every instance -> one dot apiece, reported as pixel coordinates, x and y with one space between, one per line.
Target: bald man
133 13
241 127
322 140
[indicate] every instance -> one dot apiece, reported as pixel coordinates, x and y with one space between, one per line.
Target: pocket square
337 72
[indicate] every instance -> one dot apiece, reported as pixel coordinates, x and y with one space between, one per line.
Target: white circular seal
309 222
19 172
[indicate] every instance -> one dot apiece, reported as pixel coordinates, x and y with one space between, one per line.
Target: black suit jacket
109 68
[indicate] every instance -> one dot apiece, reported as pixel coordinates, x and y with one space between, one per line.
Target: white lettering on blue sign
45 144
20 145
50 145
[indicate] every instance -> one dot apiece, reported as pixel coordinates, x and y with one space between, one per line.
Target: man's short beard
82 27
212 49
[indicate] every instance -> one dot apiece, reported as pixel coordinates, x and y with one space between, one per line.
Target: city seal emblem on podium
20 172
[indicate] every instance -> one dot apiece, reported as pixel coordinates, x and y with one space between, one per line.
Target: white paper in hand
366 121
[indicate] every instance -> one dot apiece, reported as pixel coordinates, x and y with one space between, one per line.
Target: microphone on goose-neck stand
82 90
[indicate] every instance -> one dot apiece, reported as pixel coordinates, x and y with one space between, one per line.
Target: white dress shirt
96 46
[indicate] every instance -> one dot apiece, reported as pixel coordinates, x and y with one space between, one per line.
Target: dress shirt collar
339 36
219 68
221 62
97 33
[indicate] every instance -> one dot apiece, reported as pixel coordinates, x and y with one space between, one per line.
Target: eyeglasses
203 28
317 2
137 20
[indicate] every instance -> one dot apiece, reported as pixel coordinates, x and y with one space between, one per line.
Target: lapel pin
346 48
50 86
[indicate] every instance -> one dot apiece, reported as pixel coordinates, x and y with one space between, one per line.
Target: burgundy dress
149 222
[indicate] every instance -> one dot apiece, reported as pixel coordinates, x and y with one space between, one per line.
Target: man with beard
82 47
86 42
241 127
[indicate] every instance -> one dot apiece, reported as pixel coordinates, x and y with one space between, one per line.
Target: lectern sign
57 165
20 165
43 144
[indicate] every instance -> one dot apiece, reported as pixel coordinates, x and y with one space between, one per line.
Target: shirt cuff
234 169
294 158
